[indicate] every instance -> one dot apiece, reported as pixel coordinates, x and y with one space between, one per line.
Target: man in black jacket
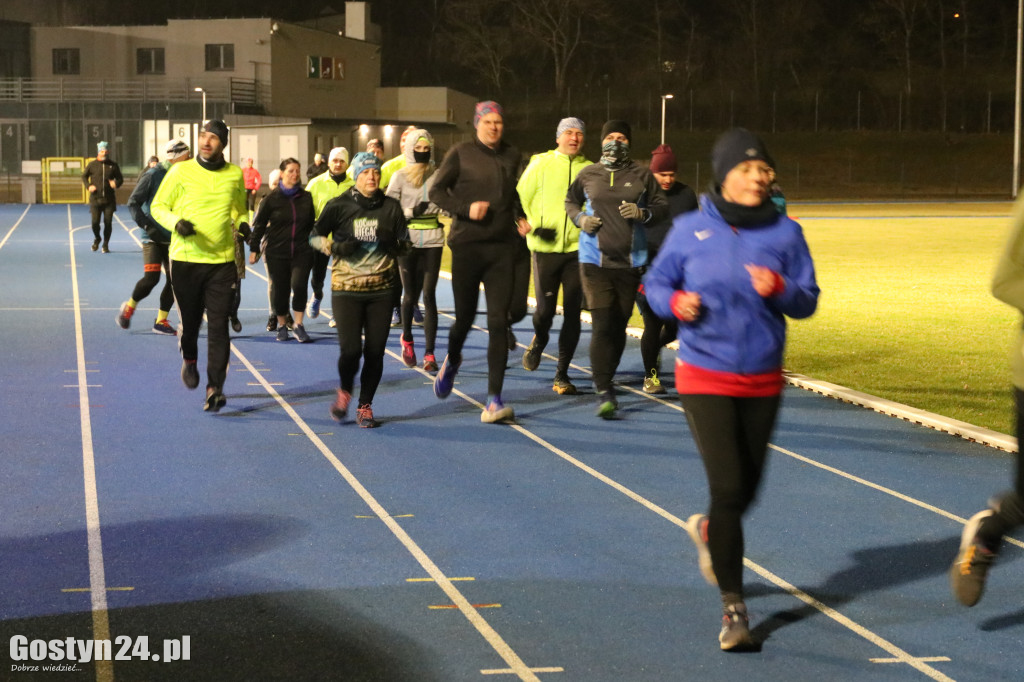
102 176
476 184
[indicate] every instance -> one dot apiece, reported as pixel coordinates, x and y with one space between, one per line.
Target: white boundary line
516 664
15 226
97 574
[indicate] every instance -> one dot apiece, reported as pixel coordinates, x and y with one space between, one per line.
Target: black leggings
154 256
419 272
289 276
732 437
359 315
657 334
490 264
518 304
610 294
107 211
1010 504
552 271
319 274
205 288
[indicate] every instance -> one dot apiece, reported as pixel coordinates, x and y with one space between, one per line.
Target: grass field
905 312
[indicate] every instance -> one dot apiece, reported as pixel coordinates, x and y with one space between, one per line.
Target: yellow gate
62 180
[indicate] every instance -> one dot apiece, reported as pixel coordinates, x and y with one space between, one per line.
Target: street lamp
204 102
663 98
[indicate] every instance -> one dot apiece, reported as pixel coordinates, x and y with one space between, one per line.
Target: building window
149 60
220 57
66 61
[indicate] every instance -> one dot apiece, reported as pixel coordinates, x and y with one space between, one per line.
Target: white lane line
15 226
97 575
883 489
511 658
860 630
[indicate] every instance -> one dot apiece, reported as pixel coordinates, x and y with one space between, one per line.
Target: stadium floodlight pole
665 97
1016 104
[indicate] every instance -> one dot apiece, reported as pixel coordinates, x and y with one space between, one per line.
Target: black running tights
732 437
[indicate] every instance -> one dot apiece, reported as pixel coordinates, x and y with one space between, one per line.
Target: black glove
548 234
403 248
343 248
590 224
420 208
185 228
245 231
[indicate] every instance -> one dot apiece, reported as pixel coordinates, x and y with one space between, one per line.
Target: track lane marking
97 574
18 222
468 610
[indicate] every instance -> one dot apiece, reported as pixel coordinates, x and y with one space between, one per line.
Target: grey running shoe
697 527
970 568
282 333
652 384
735 634
299 332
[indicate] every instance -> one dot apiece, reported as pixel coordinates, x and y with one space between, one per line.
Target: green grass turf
905 311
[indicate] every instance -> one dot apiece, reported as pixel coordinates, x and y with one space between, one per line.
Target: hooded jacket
424 229
542 189
738 331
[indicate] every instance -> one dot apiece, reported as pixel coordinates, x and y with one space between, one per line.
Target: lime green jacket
323 188
213 201
1008 285
542 188
388 170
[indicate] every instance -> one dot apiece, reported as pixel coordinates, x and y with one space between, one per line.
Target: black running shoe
189 374
214 400
272 323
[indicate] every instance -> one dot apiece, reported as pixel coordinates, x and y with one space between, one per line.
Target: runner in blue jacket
731 274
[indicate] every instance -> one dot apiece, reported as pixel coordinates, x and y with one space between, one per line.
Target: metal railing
233 90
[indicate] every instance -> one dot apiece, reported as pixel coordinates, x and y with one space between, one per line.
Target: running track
437 548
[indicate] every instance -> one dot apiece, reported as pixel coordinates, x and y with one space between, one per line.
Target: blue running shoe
417 315
444 382
313 310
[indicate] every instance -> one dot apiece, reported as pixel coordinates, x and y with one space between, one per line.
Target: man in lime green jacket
554 243
204 199
323 188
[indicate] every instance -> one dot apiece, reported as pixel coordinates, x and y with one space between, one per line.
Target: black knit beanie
734 147
614 126
218 128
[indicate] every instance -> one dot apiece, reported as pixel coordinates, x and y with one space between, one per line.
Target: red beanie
663 160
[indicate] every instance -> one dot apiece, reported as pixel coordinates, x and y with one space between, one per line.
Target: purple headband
484 108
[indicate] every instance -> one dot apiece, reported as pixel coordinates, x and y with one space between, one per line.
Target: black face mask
421 157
